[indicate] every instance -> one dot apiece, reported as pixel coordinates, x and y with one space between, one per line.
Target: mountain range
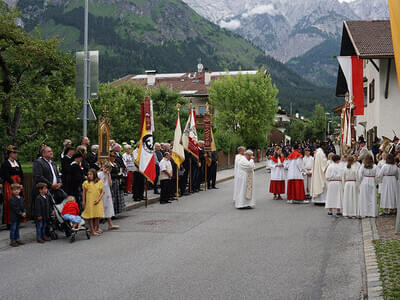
295 32
167 35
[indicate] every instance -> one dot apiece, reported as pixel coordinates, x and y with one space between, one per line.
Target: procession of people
346 185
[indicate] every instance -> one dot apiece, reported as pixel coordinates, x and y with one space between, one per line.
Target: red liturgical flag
352 68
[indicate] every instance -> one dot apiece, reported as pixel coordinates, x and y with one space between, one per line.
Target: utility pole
85 72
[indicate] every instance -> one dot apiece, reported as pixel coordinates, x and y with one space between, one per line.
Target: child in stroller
63 223
70 212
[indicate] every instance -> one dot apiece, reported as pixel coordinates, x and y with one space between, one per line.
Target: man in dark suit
92 157
45 170
212 170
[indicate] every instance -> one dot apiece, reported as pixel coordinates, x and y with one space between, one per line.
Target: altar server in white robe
350 194
381 163
367 177
277 182
308 162
240 154
388 175
245 177
334 195
318 180
295 186
343 161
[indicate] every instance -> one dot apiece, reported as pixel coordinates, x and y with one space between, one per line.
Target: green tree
296 130
34 78
319 122
245 108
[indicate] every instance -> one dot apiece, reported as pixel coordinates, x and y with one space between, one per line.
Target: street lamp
326 114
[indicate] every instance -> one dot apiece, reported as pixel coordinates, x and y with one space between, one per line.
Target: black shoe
165 202
185 194
137 200
156 192
215 188
172 199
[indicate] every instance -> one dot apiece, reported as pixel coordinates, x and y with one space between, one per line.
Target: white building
372 42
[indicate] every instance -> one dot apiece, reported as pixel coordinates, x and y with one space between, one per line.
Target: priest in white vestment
308 162
295 186
244 197
318 180
240 154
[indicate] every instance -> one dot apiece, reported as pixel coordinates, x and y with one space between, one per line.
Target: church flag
178 152
189 138
352 68
394 12
145 159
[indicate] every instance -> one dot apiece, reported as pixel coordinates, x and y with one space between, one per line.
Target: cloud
231 25
260 10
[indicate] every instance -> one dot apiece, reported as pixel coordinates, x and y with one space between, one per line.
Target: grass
388 256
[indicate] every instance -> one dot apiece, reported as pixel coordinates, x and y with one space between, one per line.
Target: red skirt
295 190
277 187
7 196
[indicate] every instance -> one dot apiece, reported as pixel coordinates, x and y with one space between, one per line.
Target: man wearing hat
363 150
396 146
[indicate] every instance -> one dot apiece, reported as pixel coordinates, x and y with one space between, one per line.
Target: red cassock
277 186
295 190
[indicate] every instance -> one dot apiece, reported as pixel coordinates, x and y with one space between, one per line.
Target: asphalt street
200 247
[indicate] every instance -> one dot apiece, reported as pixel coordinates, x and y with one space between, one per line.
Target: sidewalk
27 230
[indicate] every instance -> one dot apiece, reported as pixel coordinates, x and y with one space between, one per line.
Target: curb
373 285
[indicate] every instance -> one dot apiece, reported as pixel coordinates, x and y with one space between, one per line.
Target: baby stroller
57 222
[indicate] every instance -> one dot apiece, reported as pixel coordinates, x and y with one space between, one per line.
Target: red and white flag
189 139
145 159
352 68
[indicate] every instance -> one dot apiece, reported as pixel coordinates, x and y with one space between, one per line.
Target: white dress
389 189
308 162
107 197
350 195
367 178
381 163
334 194
244 172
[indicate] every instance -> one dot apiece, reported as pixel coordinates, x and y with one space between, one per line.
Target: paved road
198 248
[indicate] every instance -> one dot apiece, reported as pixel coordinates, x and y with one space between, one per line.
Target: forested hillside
167 35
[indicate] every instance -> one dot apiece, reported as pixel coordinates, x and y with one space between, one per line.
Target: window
202 110
372 91
365 96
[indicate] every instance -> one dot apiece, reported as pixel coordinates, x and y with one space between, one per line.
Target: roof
370 39
366 40
190 84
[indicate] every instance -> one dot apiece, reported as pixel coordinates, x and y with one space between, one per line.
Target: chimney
151 77
207 77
